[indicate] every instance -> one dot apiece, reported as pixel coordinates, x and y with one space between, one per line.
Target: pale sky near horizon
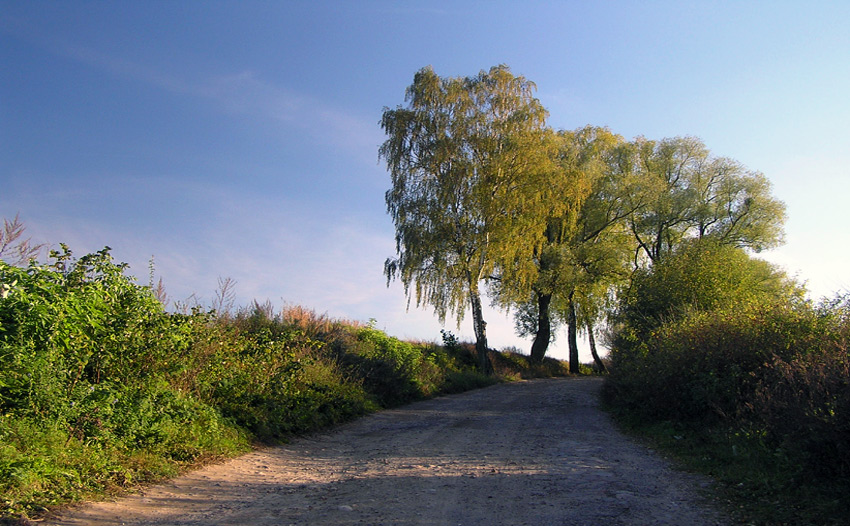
239 139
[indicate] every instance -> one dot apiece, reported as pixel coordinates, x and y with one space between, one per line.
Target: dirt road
529 453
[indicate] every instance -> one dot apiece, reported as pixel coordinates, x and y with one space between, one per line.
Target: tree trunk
544 328
598 361
572 335
480 328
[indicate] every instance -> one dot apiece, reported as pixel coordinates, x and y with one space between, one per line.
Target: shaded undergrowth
757 397
752 388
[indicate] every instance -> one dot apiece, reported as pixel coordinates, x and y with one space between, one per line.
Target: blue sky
239 139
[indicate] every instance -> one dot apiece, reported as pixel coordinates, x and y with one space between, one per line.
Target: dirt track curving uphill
527 453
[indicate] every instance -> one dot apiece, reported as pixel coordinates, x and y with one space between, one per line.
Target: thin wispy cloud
62 47
242 93
247 94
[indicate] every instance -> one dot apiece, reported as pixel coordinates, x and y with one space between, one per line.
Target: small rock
345 508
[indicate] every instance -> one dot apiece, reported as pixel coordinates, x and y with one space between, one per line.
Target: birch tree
468 158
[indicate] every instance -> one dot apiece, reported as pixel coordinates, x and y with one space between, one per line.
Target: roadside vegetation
719 359
102 389
648 244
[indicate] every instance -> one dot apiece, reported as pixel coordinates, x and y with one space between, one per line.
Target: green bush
692 332
801 405
101 388
706 365
84 389
276 386
389 368
725 351
700 276
70 325
759 399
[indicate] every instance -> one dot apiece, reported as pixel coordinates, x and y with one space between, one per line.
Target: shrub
764 387
84 387
693 332
707 364
802 403
701 276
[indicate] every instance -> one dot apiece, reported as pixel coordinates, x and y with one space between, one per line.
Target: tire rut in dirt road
527 453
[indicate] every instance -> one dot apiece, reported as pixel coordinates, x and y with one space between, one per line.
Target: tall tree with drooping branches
583 248
468 158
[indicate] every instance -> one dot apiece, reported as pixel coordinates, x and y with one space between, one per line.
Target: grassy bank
101 389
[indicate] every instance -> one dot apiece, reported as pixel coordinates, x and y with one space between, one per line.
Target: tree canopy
686 192
485 196
467 157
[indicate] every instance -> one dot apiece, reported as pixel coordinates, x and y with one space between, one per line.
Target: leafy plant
101 388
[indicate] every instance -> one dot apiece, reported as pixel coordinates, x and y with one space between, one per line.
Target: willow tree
689 193
468 158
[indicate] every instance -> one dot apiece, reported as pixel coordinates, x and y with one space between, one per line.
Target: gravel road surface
525 453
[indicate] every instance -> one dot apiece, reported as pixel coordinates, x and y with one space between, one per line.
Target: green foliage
468 158
271 381
722 349
706 365
101 388
685 192
802 402
69 326
84 389
695 330
391 367
701 275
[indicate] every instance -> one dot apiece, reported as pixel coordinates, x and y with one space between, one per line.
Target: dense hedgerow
723 348
801 404
694 330
707 365
100 387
